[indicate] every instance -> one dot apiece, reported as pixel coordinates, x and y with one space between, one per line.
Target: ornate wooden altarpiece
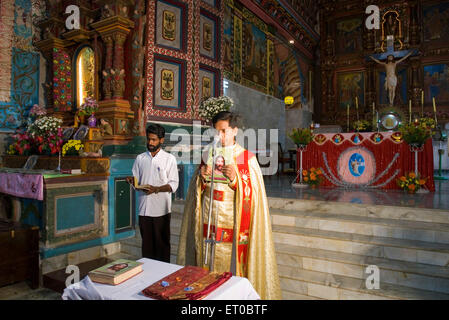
113 30
347 71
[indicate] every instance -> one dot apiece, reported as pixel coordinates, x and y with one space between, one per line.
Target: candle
434 106
422 103
356 103
347 110
410 109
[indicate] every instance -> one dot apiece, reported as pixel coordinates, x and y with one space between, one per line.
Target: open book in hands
135 184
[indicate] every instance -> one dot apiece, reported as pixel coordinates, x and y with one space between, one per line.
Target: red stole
245 219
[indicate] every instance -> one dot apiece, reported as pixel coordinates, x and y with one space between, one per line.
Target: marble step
353 209
336 287
390 248
289 295
415 275
380 227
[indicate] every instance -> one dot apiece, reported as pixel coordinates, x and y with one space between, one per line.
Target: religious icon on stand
81 133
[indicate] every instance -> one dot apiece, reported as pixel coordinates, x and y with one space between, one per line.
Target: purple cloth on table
22 185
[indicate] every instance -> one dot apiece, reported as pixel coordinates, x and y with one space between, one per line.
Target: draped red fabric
383 153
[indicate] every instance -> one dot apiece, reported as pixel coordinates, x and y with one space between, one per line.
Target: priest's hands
229 172
151 190
205 171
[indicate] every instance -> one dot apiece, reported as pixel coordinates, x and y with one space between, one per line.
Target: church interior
349 100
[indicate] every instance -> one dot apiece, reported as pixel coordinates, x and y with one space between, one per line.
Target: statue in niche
105 128
391 79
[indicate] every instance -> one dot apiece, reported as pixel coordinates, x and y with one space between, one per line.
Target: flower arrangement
72 148
411 182
44 126
37 111
301 136
361 126
313 176
413 133
22 145
89 107
51 144
213 105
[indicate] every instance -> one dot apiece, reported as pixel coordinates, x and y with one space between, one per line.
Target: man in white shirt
159 170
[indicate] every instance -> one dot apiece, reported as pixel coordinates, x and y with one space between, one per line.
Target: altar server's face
226 133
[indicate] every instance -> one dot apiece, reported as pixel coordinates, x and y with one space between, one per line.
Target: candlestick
347 117
434 110
410 110
422 103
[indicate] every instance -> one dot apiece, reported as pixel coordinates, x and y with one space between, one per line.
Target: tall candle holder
301 148
417 147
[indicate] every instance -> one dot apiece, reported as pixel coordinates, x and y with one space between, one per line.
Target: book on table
116 272
136 186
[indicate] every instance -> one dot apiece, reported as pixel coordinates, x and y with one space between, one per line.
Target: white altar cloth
236 288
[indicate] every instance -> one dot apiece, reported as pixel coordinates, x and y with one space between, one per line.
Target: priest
240 217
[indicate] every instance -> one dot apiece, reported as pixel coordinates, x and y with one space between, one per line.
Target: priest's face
226 133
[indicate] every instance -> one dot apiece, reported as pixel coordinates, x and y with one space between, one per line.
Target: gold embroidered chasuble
246 248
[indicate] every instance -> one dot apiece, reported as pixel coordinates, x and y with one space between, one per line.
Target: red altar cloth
381 159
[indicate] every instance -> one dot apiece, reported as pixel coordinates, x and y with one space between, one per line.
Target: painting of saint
206 87
436 83
349 35
167 85
169 25
227 39
207 36
255 54
436 22
350 85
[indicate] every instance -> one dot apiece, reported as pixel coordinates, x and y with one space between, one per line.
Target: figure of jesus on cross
391 79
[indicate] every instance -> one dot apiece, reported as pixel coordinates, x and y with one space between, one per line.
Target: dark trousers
155 232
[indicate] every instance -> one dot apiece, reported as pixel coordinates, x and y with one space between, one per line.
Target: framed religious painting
436 83
435 22
212 3
349 86
349 35
209 82
169 87
171 28
209 35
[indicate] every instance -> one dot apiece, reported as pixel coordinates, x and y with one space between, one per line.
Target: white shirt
156 171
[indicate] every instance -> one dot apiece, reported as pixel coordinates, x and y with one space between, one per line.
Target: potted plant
415 134
410 182
301 137
88 108
313 177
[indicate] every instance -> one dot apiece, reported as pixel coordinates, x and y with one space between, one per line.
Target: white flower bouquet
45 126
210 107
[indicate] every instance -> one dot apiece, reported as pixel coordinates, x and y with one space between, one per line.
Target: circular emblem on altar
356 166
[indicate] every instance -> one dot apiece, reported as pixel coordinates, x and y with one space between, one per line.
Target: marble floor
280 186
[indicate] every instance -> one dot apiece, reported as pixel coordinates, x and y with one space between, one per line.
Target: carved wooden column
114 27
